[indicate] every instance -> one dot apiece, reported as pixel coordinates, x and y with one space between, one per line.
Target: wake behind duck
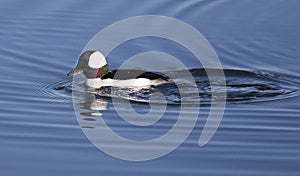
140 86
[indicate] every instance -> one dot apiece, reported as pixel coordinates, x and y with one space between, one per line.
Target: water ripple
58 90
242 87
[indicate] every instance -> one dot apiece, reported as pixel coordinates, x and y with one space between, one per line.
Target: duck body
128 79
94 66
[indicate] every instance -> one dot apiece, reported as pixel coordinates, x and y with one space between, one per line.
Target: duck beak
74 72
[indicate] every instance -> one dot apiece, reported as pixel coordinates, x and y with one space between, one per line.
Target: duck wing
132 74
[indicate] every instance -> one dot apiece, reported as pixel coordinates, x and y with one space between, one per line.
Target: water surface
256 41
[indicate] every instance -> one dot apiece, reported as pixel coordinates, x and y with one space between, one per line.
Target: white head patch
97 60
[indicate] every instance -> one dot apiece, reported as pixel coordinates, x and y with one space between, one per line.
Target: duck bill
74 72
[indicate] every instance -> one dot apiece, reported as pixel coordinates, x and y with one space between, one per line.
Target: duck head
92 64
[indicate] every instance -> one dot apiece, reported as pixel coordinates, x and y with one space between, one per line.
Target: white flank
97 60
129 83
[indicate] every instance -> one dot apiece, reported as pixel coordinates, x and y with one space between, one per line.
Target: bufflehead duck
95 68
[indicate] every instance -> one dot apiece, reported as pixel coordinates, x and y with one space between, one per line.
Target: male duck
94 66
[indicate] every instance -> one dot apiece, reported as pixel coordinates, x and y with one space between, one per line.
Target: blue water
40 43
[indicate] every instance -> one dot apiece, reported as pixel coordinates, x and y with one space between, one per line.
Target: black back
132 74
